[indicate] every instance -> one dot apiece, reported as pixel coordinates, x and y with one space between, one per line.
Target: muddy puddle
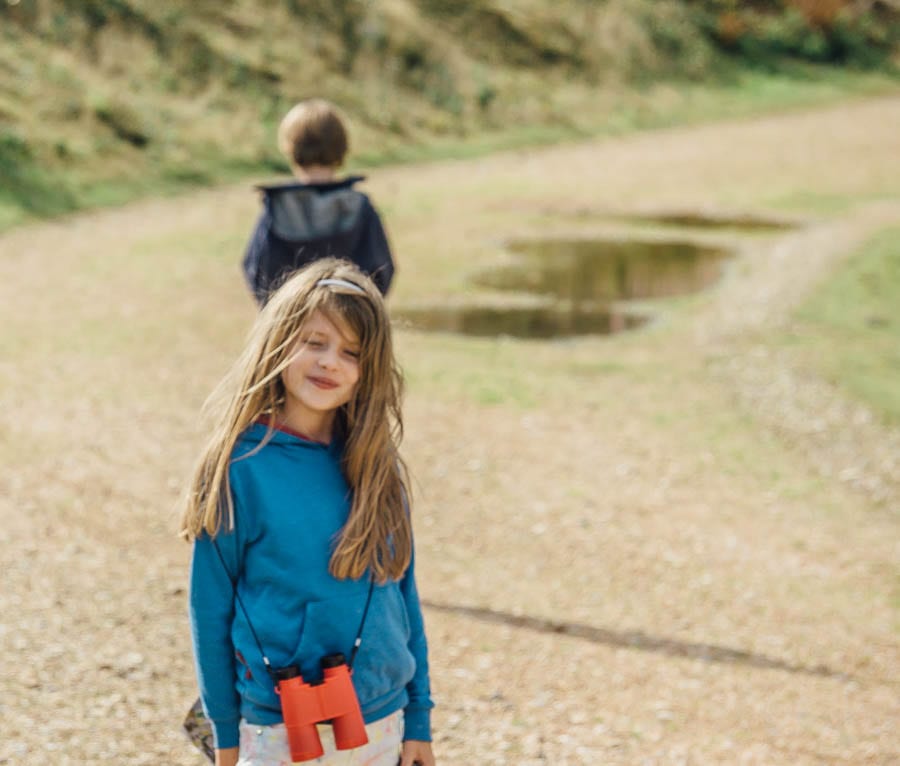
573 286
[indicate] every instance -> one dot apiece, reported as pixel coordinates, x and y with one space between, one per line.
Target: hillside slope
105 99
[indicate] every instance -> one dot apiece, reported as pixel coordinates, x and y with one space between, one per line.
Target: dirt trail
677 546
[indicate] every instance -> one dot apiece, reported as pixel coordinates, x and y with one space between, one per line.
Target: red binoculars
332 700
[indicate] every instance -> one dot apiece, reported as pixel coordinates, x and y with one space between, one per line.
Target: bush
766 34
24 184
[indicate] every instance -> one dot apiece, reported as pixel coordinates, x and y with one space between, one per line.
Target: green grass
851 326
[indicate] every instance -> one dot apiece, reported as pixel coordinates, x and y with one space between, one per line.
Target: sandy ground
678 546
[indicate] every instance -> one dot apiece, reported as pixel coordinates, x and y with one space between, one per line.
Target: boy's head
313 134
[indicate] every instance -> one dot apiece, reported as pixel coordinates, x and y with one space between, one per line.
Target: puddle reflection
577 285
547 321
590 270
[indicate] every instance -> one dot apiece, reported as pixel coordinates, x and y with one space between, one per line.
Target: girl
302 538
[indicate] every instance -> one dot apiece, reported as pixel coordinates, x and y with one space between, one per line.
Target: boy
318 215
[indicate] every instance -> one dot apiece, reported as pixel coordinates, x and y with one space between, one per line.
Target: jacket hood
304 212
322 186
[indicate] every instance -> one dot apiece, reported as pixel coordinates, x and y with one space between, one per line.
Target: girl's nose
328 359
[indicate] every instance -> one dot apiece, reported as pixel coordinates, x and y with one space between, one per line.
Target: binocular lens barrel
284 674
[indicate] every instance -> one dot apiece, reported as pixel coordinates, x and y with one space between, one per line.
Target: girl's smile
321 376
323 382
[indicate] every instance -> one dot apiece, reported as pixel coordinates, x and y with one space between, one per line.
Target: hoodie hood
302 211
260 435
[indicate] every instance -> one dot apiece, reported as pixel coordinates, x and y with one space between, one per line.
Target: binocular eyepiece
333 700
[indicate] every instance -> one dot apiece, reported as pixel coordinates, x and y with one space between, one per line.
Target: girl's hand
417 753
228 756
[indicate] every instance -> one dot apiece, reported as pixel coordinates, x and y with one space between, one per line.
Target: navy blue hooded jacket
301 223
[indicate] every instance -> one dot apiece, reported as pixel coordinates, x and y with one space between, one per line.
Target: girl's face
322 374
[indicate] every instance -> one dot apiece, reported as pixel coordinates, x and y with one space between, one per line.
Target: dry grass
632 549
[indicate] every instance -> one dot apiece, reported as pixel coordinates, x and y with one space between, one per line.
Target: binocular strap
237 596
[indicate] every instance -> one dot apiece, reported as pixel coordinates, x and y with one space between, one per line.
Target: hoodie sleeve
211 606
417 714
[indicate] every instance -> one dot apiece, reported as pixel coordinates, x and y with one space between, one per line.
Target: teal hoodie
290 502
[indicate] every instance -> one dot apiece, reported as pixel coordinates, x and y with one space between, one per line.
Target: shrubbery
24 183
836 32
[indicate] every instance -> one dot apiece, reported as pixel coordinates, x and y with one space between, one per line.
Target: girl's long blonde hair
378 533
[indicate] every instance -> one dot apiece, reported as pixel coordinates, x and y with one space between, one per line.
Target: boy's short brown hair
313 133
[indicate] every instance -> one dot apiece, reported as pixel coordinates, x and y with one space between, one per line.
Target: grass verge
850 327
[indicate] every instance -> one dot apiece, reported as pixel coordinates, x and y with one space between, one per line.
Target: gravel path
677 546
